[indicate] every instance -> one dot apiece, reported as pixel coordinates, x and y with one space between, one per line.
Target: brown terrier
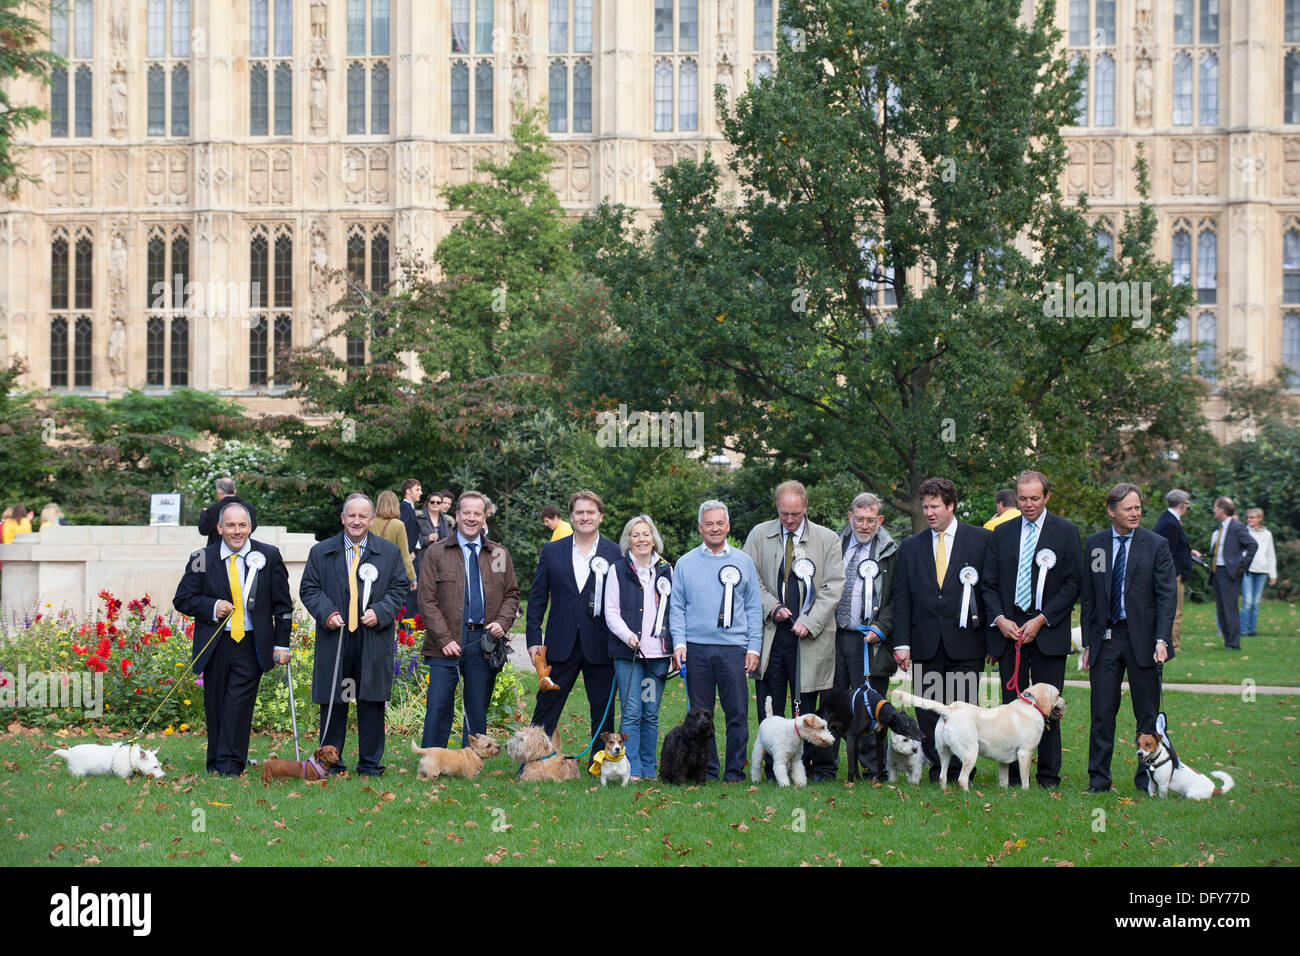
315 768
466 762
540 756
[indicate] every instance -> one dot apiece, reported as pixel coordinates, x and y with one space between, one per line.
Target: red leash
1014 682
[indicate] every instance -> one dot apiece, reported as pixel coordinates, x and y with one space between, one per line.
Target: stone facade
227 205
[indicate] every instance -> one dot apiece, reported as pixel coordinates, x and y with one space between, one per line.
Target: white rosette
804 569
369 574
664 587
868 571
1046 560
599 567
255 562
730 576
969 577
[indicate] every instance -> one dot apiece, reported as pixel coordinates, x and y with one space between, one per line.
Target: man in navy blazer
1170 526
355 630
937 577
1031 583
1232 548
235 641
570 579
1126 626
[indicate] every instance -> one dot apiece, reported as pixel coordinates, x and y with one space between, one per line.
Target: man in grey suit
1232 548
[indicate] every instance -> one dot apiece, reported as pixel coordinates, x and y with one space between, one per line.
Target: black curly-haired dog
851 713
685 756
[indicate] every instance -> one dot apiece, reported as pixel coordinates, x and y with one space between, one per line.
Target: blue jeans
1252 587
440 701
640 689
720 669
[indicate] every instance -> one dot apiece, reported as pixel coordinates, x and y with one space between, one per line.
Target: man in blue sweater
715 614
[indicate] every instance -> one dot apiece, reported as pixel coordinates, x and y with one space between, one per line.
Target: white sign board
165 510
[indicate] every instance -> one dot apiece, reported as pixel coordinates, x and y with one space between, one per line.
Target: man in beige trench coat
801 579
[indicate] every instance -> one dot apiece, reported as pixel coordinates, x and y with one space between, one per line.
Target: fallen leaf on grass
214 803
93 860
11 765
1060 863
59 811
741 827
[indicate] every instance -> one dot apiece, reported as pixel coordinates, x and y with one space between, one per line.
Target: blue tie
1117 582
475 587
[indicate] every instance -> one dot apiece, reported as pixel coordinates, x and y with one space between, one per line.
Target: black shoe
1105 789
1049 786
823 777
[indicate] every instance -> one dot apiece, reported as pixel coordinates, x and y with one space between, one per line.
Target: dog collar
1032 703
315 765
613 758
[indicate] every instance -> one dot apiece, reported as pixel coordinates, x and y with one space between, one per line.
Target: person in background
210 517
388 525
632 609
445 500
1232 550
1264 566
558 527
18 520
52 514
1005 502
434 525
1170 526
411 492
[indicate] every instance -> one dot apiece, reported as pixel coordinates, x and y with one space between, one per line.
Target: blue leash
609 703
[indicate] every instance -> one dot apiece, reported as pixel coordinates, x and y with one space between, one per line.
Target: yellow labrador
1006 733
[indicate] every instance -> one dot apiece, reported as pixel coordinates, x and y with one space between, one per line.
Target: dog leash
1013 683
190 666
608 704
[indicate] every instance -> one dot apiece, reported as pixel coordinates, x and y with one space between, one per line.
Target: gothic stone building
204 163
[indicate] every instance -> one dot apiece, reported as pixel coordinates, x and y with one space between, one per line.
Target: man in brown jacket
462 625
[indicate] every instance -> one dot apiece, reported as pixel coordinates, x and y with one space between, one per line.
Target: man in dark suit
1031 583
1232 548
210 516
237 591
411 491
1170 526
568 579
354 586
469 599
939 609
1127 617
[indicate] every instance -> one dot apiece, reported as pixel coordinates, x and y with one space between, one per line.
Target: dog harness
875 715
315 764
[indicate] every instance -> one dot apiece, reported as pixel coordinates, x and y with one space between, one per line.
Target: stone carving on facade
117 264
1076 167
354 175
1180 171
559 176
117 102
116 177
1248 162
580 173
726 23
258 177
281 177
178 179
319 23
1207 168
379 175
521 17
82 167
319 279
1142 90
221 172
1291 167
205 228
117 26
155 177
459 165
319 99
519 87
117 350
1103 169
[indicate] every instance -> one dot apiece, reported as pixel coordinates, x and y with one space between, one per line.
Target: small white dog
904 753
614 765
98 760
1163 777
1006 733
784 738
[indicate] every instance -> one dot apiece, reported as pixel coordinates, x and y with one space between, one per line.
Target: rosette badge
868 571
804 569
1046 560
369 574
969 577
730 577
255 562
664 588
599 568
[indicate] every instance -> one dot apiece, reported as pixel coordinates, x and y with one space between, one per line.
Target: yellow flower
178 663
169 730
185 727
187 703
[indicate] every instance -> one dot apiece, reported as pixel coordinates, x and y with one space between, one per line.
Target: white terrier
784 738
1164 778
98 760
904 753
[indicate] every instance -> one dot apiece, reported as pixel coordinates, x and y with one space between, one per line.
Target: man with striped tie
354 586
1129 593
237 591
1031 583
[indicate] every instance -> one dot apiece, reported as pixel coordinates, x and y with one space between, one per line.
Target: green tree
23 53
898 139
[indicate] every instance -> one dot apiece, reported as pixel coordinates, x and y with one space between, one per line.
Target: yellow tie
237 616
941 558
352 588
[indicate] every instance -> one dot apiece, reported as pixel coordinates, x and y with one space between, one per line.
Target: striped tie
1117 581
1025 577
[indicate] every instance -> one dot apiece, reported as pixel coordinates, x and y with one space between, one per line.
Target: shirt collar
951 530
1038 525
347 542
726 549
1115 535
464 541
242 552
798 532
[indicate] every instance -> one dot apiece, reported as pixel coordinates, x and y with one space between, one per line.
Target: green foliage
869 155
26 458
24 52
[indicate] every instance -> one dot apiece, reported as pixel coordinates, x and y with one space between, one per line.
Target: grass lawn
1272 656
47 817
